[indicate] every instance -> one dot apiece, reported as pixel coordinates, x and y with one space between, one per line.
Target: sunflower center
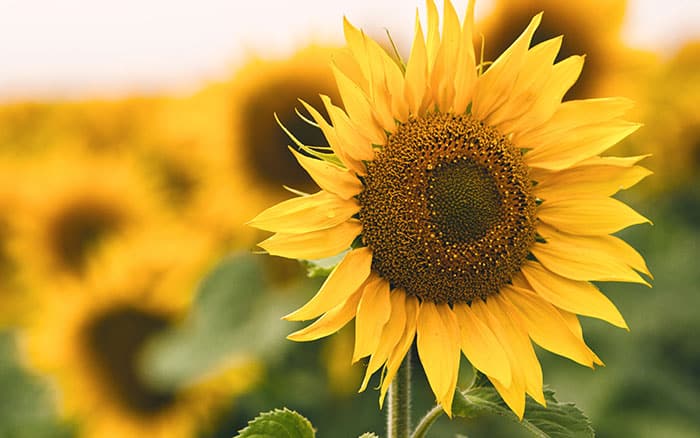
114 341
447 209
79 228
463 199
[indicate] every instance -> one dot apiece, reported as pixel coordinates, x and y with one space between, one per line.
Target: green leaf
279 423
557 420
234 316
322 267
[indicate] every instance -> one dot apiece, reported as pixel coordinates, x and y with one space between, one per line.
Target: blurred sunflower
73 205
673 135
472 209
91 336
262 88
580 21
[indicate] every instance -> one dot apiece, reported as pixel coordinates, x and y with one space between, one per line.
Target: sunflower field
363 236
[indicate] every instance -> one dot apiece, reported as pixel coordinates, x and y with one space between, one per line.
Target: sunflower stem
399 406
427 421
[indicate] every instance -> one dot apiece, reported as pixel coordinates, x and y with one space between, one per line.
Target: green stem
399 403
427 421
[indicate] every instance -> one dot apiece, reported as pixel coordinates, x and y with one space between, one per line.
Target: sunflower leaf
557 420
278 423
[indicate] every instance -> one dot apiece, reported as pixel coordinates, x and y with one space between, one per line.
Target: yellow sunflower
591 27
472 208
89 339
74 204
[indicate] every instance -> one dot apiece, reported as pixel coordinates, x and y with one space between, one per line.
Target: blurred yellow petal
343 281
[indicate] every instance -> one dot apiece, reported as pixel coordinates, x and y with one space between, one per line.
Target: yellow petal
433 37
613 161
416 78
329 177
480 345
574 296
494 87
306 213
391 335
343 281
588 180
465 74
358 108
513 394
351 140
573 114
546 326
575 327
589 216
399 352
336 142
536 70
443 71
313 245
330 322
438 349
605 256
560 150
372 314
523 353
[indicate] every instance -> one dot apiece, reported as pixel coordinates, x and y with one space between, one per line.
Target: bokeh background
137 138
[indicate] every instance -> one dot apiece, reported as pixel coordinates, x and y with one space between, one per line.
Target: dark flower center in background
447 209
79 228
114 341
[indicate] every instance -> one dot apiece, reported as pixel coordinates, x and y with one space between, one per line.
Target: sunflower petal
480 345
372 314
438 349
329 177
465 74
495 85
443 71
330 322
575 327
588 180
391 335
343 281
606 256
560 150
416 77
579 297
399 352
546 326
589 216
314 245
351 140
358 108
306 213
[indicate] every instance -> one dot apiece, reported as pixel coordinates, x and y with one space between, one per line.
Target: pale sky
83 48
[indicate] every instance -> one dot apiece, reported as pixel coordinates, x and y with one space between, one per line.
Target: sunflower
90 337
74 204
579 21
471 207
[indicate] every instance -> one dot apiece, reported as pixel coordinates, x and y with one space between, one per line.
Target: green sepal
557 420
278 423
